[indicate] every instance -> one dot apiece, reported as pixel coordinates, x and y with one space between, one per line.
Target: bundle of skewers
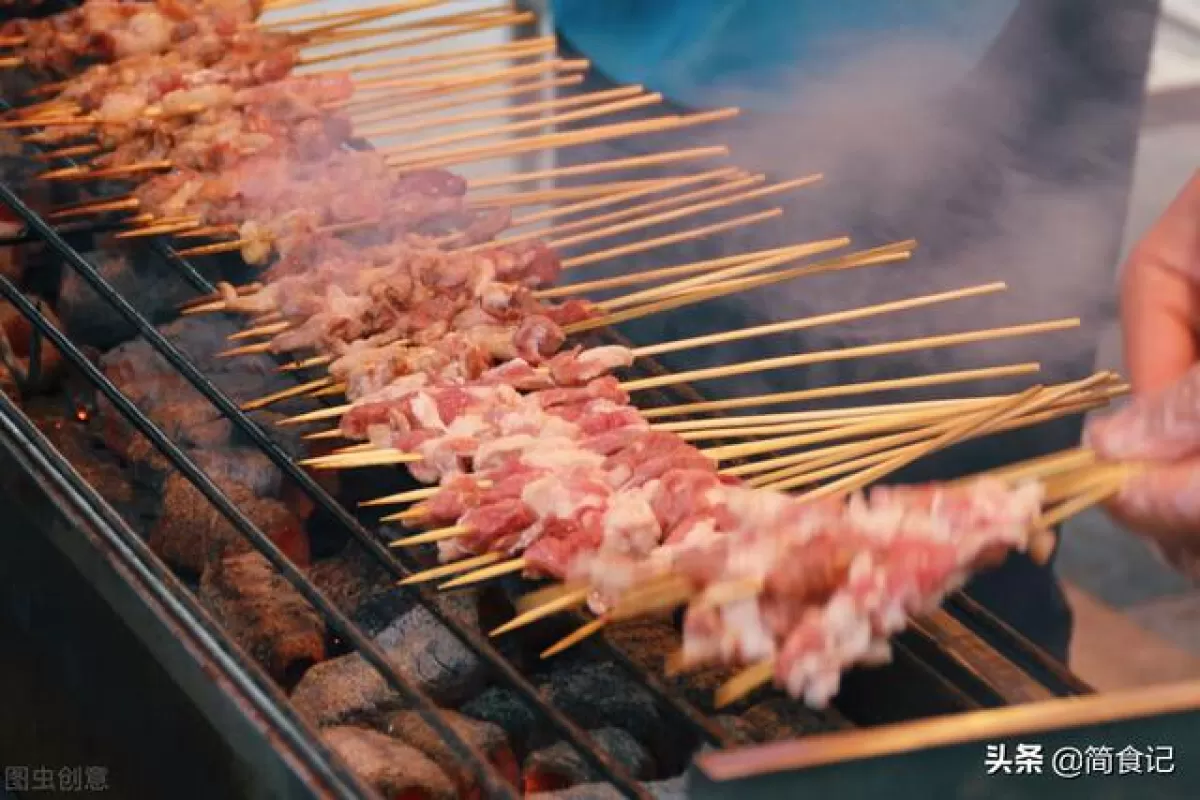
432 309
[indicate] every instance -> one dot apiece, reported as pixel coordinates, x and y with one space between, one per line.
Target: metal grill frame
985 678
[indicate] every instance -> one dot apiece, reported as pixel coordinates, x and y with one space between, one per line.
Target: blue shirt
703 53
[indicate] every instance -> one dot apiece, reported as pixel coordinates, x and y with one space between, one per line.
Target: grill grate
680 709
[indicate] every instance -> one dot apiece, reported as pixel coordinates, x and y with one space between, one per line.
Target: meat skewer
109 30
363 368
597 448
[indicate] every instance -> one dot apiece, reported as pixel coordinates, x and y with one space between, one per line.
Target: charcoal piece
420 649
241 466
151 286
508 710
148 466
360 588
265 615
673 789
190 425
490 740
738 729
288 439
391 767
77 444
782 717
380 609
583 791
559 765
191 532
193 423
602 695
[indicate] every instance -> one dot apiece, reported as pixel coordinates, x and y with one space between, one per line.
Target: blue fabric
702 53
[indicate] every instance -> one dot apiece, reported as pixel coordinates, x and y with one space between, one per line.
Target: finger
1159 311
1159 295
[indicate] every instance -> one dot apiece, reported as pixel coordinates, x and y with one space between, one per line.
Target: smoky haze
1021 176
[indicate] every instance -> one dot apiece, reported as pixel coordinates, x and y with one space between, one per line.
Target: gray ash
149 284
508 710
357 584
422 652
602 695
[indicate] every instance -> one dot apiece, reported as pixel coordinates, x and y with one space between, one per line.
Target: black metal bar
136 569
490 779
1015 647
684 711
564 726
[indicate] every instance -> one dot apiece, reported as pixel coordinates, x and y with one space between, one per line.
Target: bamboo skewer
1081 503
451 569
801 359
674 238
745 682
341 20
430 147
465 91
440 28
1038 468
845 390
732 185
831 416
403 498
583 632
832 318
723 288
697 208
540 196
286 394
1029 401
536 107
728 336
329 16
485 574
595 134
379 110
807 468
652 187
889 348
612 165
787 253
384 457
460 56
563 602
428 38
427 537
836 461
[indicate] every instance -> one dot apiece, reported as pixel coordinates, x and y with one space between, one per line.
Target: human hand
1160 319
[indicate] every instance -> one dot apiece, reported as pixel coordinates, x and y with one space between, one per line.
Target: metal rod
489 777
78 498
563 725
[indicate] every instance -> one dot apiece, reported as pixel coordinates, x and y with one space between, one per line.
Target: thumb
1162 426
